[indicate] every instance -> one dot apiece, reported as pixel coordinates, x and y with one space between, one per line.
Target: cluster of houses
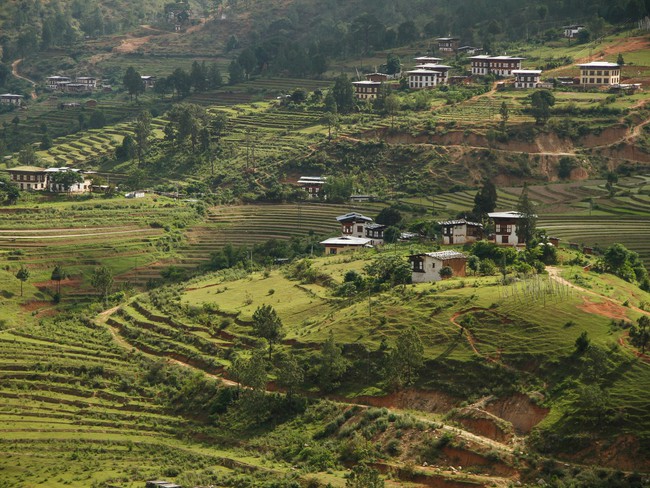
35 178
66 84
359 231
11 99
429 71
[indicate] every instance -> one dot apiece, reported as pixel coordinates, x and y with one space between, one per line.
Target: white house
428 77
426 267
354 224
527 78
366 89
313 185
11 99
448 45
495 65
600 73
427 59
57 82
460 231
505 228
81 187
336 245
571 31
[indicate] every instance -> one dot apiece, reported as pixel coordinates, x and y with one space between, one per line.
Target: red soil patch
427 401
485 427
35 305
623 341
606 308
465 458
520 411
628 45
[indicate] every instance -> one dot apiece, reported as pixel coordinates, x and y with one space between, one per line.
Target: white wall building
527 78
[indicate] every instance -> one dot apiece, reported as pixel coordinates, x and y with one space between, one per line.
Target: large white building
600 73
483 65
527 78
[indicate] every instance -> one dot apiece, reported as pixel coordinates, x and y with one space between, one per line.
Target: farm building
375 232
356 225
161 484
313 185
527 78
427 60
336 245
57 82
469 50
505 228
41 179
377 77
428 75
11 99
460 231
600 73
353 224
448 45
495 65
366 89
148 81
571 31
426 267
28 177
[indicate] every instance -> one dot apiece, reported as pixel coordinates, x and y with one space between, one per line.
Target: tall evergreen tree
527 222
485 200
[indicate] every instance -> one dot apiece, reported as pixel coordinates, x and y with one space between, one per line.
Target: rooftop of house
449 223
347 241
367 83
422 71
376 226
496 58
506 215
10 95
442 255
312 179
434 66
63 169
448 39
353 216
599 64
526 71
427 59
26 169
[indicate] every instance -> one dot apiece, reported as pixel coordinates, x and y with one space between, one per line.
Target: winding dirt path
14 72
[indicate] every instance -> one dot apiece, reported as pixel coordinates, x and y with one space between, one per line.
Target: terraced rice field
76 407
121 234
247 225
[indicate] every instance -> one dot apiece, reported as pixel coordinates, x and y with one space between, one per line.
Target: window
332 250
505 229
504 239
433 265
359 228
418 266
347 229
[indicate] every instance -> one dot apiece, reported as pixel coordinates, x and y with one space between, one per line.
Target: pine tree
527 222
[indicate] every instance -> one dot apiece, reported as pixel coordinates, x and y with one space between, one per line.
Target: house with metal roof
426 266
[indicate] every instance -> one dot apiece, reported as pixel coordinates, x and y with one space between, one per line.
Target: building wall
333 249
506 228
459 233
432 267
600 76
356 229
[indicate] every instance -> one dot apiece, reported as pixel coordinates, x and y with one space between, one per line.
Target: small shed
426 267
336 245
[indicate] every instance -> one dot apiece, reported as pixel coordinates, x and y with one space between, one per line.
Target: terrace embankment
614 142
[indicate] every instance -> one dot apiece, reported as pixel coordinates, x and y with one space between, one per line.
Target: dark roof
354 217
375 226
460 222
